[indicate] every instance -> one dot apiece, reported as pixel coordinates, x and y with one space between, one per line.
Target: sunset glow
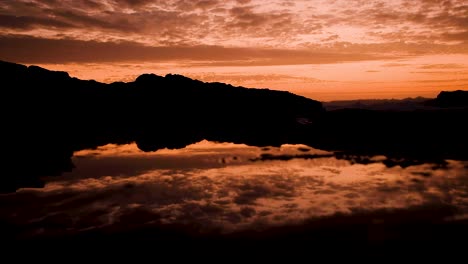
326 50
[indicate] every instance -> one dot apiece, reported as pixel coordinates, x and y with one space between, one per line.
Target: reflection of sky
218 186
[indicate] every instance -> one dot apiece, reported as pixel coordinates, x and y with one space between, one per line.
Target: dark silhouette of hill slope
48 115
457 98
407 104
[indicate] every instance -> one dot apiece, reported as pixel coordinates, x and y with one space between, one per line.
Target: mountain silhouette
457 98
49 115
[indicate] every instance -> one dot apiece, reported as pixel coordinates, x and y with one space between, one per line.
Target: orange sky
326 50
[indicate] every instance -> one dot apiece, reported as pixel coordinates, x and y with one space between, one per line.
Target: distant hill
407 104
52 114
446 99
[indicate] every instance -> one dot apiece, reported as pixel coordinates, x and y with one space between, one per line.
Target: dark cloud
406 20
80 19
241 23
170 20
133 3
245 20
461 36
92 4
206 4
28 22
37 50
102 18
74 4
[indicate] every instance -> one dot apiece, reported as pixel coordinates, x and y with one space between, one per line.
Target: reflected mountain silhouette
50 115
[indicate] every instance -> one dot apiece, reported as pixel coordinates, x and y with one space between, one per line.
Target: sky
321 49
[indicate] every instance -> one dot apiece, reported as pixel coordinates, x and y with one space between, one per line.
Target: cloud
249 192
333 37
236 78
378 28
205 4
37 50
448 81
84 20
133 3
28 22
409 20
393 64
443 66
246 18
443 72
463 35
110 19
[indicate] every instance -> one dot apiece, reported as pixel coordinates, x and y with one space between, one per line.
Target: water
226 188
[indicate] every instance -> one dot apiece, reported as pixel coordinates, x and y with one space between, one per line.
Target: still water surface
225 187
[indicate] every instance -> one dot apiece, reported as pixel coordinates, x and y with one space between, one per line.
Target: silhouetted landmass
407 104
407 138
451 99
49 115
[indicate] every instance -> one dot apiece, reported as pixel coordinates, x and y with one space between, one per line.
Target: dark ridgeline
451 99
48 115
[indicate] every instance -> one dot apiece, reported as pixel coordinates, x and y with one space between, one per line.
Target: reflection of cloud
267 156
202 147
127 160
249 192
197 190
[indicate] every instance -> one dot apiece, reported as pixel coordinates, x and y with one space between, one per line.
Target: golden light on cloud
320 49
